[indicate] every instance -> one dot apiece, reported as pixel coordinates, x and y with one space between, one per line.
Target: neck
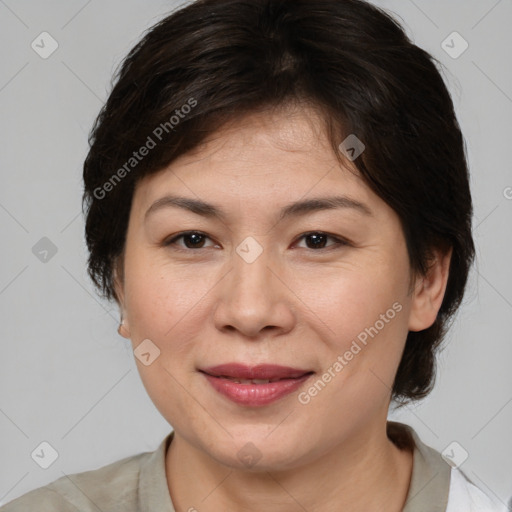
367 472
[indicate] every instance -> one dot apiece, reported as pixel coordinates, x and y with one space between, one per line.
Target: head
250 107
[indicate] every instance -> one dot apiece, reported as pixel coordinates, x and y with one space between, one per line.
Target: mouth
260 374
255 385
248 381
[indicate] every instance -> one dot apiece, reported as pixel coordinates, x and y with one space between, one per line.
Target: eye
192 240
196 239
318 239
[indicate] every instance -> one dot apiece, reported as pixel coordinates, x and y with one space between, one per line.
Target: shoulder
42 499
111 487
436 484
464 495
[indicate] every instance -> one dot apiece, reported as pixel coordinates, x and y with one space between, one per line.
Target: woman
277 198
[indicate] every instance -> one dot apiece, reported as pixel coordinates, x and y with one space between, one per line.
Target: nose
254 299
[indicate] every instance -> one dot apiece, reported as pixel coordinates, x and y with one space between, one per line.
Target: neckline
428 489
431 475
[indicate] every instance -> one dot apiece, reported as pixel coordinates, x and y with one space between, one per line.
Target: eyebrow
291 210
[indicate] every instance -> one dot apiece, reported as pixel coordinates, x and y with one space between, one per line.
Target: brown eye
191 240
315 240
318 240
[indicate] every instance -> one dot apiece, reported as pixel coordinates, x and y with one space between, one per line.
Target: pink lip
261 371
222 378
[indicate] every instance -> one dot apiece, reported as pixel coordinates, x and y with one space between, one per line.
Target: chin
257 452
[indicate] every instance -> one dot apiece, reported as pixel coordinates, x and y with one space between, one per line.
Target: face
321 291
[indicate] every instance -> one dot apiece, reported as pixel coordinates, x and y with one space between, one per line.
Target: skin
295 305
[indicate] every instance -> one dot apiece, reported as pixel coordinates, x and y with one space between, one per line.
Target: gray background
67 378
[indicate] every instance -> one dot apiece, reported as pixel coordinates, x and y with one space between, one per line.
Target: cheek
164 302
364 336
364 324
344 302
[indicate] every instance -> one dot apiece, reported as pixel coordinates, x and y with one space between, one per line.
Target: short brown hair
223 59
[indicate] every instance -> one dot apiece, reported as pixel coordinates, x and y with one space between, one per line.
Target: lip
261 371
222 379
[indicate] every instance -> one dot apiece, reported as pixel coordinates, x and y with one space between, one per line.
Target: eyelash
339 242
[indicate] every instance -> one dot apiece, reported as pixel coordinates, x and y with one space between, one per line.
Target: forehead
268 158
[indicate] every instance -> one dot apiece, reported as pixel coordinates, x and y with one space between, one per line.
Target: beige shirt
138 484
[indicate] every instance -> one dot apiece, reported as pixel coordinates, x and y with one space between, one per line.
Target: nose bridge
252 276
251 299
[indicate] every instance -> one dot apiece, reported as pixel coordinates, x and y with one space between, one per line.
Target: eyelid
339 241
172 240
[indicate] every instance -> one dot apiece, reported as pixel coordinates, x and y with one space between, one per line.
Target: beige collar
430 479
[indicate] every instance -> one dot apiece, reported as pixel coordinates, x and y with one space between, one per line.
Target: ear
429 291
118 280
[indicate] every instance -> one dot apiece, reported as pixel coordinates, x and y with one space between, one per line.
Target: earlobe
429 292
123 329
